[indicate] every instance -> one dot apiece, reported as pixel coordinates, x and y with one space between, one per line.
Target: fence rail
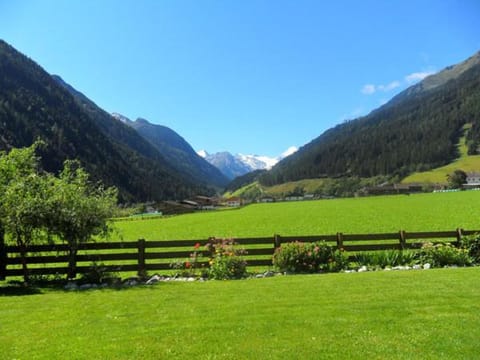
142 256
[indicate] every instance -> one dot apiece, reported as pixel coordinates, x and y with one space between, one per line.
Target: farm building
473 181
233 202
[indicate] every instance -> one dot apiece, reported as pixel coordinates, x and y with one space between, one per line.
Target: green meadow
419 212
426 314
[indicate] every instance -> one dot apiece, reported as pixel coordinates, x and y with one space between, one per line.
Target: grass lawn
420 212
431 314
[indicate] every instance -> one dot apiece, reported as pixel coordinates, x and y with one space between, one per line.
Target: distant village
205 203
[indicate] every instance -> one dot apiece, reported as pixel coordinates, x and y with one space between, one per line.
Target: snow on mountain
288 152
121 118
257 162
240 164
202 153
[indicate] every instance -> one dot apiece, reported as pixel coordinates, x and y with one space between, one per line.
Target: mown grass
430 314
420 212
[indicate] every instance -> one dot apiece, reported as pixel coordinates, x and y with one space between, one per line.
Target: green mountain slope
179 153
34 105
417 130
151 141
465 162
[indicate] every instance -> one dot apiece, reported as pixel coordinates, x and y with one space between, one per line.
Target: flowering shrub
445 254
226 260
191 266
300 257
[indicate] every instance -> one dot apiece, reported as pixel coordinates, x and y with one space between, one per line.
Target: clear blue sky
249 76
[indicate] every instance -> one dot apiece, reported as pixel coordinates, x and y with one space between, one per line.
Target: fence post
277 241
459 236
403 239
141 258
3 257
339 240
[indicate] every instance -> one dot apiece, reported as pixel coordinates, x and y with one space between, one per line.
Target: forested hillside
179 153
151 141
34 105
417 130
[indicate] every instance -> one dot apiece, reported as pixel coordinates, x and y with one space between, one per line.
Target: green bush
98 273
339 261
312 257
385 258
472 245
226 261
445 254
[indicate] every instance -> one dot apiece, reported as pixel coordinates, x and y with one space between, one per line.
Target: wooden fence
145 256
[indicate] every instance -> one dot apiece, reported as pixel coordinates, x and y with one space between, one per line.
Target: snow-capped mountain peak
240 164
257 162
202 153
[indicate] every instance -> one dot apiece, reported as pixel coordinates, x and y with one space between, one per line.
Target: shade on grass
383 315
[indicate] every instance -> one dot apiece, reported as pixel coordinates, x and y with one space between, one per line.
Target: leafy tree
81 209
26 195
457 179
35 205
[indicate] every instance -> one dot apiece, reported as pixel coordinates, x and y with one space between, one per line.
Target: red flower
197 245
187 264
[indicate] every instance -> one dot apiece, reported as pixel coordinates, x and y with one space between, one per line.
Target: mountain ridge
34 104
418 129
240 164
177 151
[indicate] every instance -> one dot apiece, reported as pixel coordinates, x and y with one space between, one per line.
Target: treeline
416 131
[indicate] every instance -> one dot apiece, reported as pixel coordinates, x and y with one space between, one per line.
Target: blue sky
245 76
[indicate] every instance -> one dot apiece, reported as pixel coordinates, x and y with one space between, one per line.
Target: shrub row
300 257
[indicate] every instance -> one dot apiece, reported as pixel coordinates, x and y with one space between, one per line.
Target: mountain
33 105
231 166
177 152
238 165
417 130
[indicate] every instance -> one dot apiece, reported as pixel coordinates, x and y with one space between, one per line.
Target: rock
190 279
153 280
133 281
363 269
426 266
86 287
417 267
268 274
71 285
259 276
